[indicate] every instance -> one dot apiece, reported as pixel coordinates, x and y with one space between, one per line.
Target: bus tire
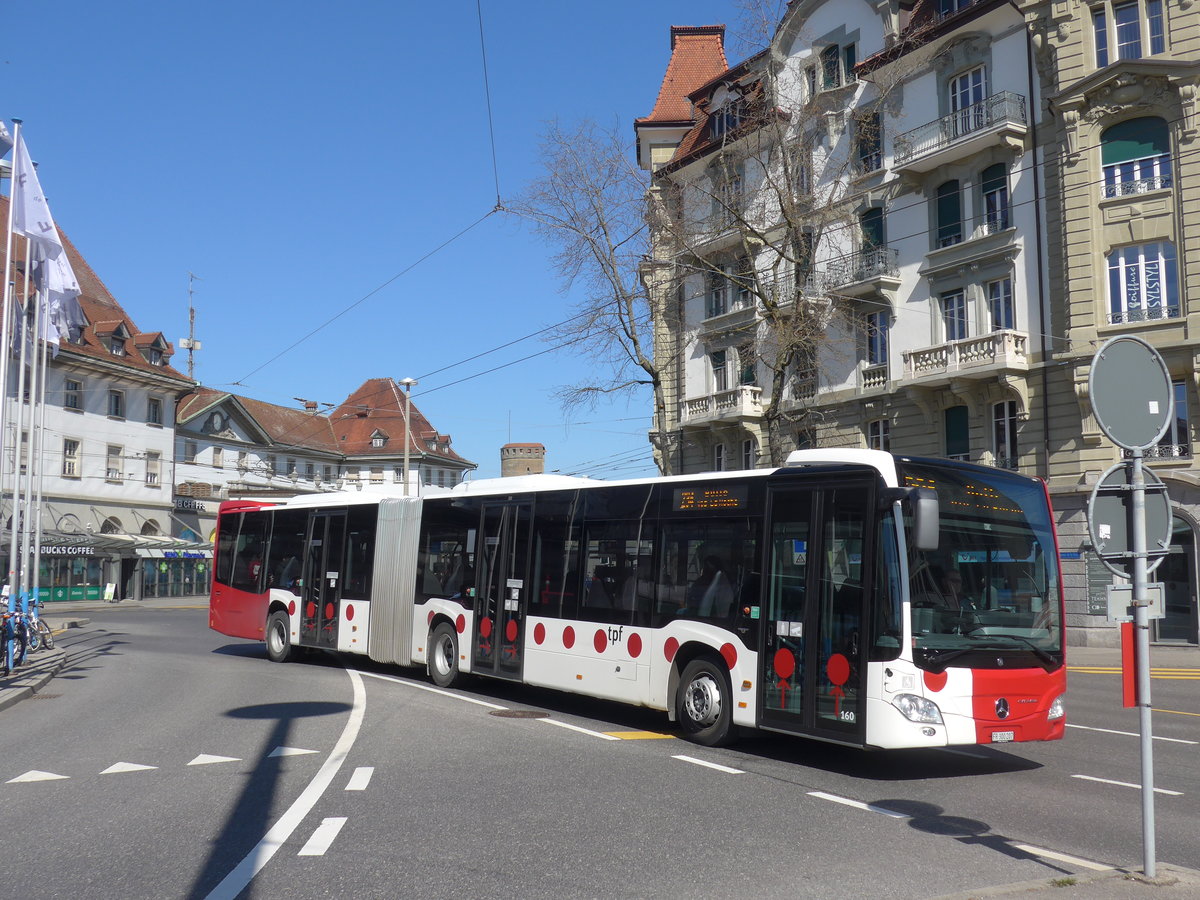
704 703
279 638
443 656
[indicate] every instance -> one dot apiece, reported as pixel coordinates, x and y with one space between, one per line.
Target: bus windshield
988 597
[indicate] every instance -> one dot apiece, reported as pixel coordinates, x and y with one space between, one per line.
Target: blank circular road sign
1131 392
1109 509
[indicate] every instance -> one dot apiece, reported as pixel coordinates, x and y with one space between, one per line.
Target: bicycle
39 632
16 640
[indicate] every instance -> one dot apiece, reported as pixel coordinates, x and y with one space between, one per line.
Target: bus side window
250 553
287 548
226 545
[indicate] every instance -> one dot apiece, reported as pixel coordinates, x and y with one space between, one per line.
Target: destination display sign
696 499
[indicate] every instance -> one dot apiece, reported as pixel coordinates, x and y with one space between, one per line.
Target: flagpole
41 477
32 453
5 327
19 516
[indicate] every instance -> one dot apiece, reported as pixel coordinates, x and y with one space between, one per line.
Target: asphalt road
186 765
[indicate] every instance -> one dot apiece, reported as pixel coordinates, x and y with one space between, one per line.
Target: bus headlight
1057 708
918 709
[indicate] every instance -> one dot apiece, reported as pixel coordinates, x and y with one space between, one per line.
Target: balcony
998 119
742 402
982 357
857 274
874 378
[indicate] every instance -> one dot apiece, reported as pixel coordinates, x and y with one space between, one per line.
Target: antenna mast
189 343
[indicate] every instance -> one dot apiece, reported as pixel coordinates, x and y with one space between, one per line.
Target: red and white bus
850 596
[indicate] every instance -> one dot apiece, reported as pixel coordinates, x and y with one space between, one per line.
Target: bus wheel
443 656
279 643
703 703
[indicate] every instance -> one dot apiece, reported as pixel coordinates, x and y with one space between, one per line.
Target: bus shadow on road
250 817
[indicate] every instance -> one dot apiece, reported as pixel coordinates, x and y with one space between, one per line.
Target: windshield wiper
938 663
1049 663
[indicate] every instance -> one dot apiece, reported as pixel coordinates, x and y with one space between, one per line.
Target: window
327 474
727 193
1143 283
954 316
1004 434
189 451
376 474
290 467
746 368
995 198
876 328
810 79
218 457
949 7
743 283
112 463
967 93
397 474
868 141
1136 155
879 435
958 437
831 67
70 466
726 118
154 356
116 404
719 289
73 395
718 457
154 409
117 345
310 471
1129 27
1000 304
153 463
1177 441
949 214
870 225
720 373
749 454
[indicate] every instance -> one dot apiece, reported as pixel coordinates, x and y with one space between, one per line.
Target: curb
34 677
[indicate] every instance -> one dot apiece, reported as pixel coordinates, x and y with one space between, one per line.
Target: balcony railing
999 109
1006 349
745 400
875 376
1143 314
854 268
1137 186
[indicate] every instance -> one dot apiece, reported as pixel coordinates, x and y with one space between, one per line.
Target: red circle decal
291 607
510 630
729 652
485 627
460 624
329 610
670 648
310 610
600 641
539 632
785 662
349 612
568 637
935 681
838 669
635 645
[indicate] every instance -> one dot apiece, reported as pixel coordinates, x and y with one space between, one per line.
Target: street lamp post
409 384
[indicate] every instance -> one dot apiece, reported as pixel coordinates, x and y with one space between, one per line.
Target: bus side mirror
925 514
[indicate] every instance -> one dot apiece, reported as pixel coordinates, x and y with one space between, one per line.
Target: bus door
817 588
502 589
321 587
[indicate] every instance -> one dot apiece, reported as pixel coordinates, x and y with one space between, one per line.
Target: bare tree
590 205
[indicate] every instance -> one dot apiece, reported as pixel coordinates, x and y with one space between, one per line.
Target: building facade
906 226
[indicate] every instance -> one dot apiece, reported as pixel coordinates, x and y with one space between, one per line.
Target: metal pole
7 327
1141 629
408 384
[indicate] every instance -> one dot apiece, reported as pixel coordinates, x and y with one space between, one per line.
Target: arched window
112 525
1136 155
150 527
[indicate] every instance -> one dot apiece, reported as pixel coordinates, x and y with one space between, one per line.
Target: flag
5 140
31 213
62 315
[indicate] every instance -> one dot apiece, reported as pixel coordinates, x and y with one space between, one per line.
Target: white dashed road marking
1128 785
207 759
126 767
857 804
587 731
288 751
323 837
35 775
433 690
360 779
709 765
1063 857
1131 734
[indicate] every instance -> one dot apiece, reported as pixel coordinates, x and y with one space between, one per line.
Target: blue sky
297 156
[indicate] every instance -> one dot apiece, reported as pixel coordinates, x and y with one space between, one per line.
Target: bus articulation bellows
851 596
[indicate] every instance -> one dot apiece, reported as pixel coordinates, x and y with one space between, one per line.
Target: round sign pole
1133 400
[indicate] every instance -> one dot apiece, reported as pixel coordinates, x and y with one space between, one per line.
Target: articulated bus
850 596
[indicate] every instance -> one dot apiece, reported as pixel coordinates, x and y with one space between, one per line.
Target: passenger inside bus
710 594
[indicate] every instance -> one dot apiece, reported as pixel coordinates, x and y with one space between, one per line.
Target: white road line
858 804
207 759
36 775
360 779
432 690
1063 857
1131 734
709 765
126 767
1128 785
289 751
587 731
323 837
235 882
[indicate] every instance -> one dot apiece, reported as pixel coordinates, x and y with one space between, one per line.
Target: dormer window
154 356
726 118
117 345
379 439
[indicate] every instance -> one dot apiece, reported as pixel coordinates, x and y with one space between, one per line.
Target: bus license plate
999 737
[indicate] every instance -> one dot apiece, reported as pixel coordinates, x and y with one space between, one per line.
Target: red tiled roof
99 306
378 405
285 426
697 57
